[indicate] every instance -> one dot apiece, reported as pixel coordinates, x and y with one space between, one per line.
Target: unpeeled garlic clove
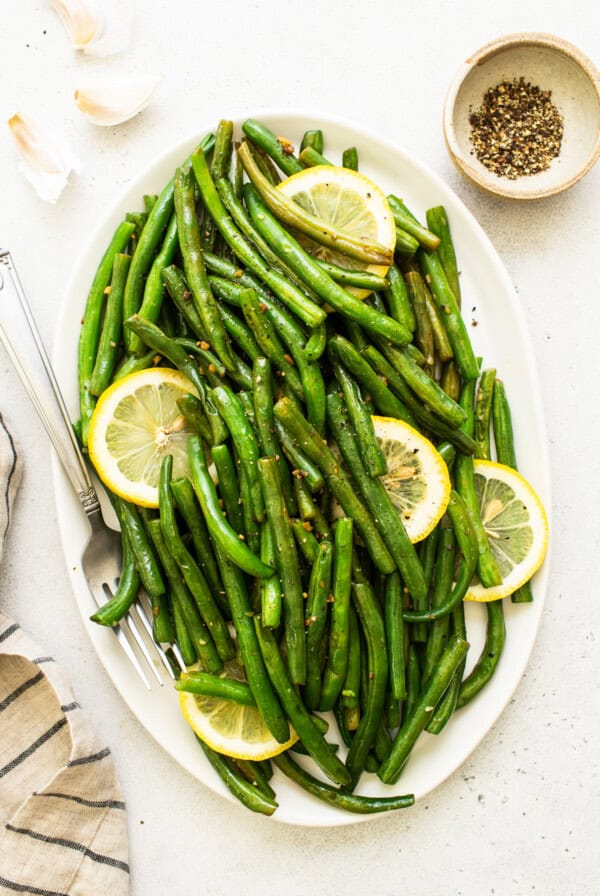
112 102
46 161
92 33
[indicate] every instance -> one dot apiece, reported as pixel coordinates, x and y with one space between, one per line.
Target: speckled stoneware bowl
551 64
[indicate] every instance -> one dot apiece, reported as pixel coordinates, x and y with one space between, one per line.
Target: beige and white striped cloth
62 816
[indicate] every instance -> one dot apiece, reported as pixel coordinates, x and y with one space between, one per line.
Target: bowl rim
483 54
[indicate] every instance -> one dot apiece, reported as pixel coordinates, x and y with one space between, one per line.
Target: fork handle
21 338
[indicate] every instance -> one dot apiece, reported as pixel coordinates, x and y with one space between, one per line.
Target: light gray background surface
521 815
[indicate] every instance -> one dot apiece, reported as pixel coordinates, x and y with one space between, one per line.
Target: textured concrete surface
521 815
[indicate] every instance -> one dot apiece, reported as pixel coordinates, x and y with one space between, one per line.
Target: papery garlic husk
112 102
46 161
92 33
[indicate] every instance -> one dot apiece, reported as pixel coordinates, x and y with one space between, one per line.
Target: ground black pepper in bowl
517 130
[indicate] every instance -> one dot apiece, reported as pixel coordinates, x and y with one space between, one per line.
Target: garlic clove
96 35
80 20
46 161
112 102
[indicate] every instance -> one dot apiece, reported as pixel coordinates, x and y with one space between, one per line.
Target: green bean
440 337
309 157
337 656
250 654
341 486
268 339
363 805
372 623
313 138
220 165
127 590
297 713
251 524
305 540
425 388
350 158
316 344
110 336
255 776
245 792
206 685
467 544
192 410
417 719
316 619
460 439
138 219
444 571
183 638
150 200
278 148
383 398
350 695
145 557
304 307
184 605
377 500
437 221
423 328
183 493
505 452
182 297
450 381
240 334
490 656
447 705
394 630
483 410
398 302
163 629
406 245
221 531
370 452
309 271
287 567
293 215
176 354
153 289
307 509
455 325
134 363
90 330
413 679
246 445
208 364
193 263
302 466
270 589
229 488
262 395
407 222
190 570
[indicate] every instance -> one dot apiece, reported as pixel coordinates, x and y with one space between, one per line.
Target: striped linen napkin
62 816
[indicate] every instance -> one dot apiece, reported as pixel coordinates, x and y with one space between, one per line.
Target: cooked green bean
287 565
313 138
221 531
206 685
302 466
270 589
127 590
262 395
112 325
440 337
268 340
221 162
363 805
297 713
490 656
444 572
398 302
339 634
407 222
417 719
89 336
309 157
316 621
153 289
183 493
278 148
483 410
245 792
437 221
305 540
182 298
394 630
350 158
370 452
145 557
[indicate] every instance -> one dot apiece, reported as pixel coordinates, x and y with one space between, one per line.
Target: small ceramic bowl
551 64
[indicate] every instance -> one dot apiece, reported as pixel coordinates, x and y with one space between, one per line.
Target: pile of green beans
292 558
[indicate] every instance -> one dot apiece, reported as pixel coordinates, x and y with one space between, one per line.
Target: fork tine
142 611
130 653
130 621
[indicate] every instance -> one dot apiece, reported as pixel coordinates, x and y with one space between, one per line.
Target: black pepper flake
517 131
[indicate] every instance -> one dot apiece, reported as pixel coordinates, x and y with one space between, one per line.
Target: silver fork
101 558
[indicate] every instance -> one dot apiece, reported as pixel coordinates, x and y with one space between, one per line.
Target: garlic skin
92 33
110 103
46 161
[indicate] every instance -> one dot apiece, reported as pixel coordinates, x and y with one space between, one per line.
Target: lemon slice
135 423
349 201
417 479
516 525
228 727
